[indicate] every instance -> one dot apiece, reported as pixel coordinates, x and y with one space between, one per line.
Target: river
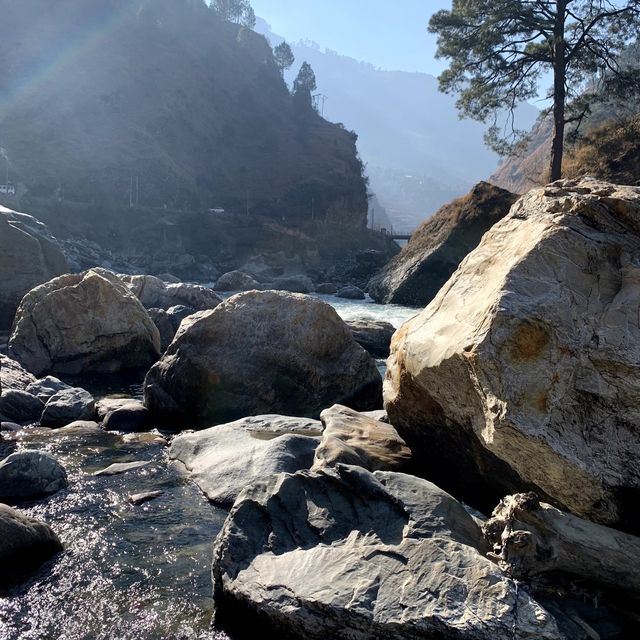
127 572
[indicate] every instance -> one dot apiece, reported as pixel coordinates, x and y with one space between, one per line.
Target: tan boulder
82 323
524 371
350 437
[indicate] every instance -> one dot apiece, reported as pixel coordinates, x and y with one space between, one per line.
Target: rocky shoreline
486 491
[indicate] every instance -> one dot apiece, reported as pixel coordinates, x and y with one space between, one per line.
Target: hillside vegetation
163 94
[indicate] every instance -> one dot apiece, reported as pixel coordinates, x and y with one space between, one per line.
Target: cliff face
439 245
96 94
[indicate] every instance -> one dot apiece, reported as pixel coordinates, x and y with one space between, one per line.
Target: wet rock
524 372
109 404
20 406
67 406
46 387
121 467
30 474
131 417
346 553
25 543
137 499
81 427
29 256
152 438
83 323
438 246
236 281
351 293
374 335
257 353
353 438
225 459
327 288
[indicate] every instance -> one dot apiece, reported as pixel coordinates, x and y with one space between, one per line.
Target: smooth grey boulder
257 353
29 474
131 417
225 459
67 406
344 553
46 387
236 281
83 323
374 335
351 293
195 296
25 543
29 256
297 283
20 407
524 372
326 288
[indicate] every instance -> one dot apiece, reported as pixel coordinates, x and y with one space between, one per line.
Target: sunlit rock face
83 323
524 371
345 553
257 353
29 256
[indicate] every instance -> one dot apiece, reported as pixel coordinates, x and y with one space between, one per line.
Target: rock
67 406
225 459
111 403
83 323
190 295
350 437
351 293
164 324
169 278
131 417
137 499
236 281
380 415
327 288
257 353
29 256
374 335
9 426
524 372
46 387
13 375
20 407
81 427
149 290
25 543
30 474
177 314
297 283
121 467
344 553
150 438
438 246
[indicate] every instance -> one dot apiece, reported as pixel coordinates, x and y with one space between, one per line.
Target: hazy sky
391 35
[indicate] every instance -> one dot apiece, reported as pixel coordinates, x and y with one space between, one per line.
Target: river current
127 572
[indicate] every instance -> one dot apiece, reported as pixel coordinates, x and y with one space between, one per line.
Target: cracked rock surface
346 553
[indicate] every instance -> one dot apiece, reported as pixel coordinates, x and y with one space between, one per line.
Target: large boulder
29 256
354 438
344 553
154 293
20 407
437 247
29 474
236 281
524 372
226 459
83 323
257 353
25 543
14 376
374 335
68 405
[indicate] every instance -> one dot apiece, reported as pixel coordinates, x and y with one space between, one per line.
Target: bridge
395 234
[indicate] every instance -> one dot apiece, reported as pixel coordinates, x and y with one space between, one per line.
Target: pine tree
499 50
284 57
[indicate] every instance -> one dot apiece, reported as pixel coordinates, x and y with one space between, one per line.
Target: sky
389 34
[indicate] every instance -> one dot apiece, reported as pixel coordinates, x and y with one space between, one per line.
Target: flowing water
127 572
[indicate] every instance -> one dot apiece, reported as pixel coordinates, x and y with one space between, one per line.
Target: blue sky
388 34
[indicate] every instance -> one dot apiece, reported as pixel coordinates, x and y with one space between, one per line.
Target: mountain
418 153
162 103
